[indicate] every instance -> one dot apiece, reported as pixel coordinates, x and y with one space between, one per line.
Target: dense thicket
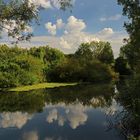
18 68
24 67
85 65
28 66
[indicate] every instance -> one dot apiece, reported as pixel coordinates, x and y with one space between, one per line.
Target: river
83 112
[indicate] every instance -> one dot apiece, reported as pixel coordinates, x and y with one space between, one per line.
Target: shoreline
40 86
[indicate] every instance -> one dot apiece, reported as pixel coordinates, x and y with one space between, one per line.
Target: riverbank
40 86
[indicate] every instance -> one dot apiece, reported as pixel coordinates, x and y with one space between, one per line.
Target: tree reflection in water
73 100
127 118
34 101
63 106
129 98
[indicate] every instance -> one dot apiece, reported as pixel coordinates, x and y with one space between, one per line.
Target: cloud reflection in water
16 119
75 114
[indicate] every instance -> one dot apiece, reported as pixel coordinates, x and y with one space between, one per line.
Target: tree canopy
16 16
131 9
101 51
35 65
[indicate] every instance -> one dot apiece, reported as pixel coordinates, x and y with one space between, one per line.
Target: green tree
19 14
122 66
131 9
131 51
17 67
32 65
38 52
72 70
48 55
68 70
101 51
127 52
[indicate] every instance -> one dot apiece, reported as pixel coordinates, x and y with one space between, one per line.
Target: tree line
92 62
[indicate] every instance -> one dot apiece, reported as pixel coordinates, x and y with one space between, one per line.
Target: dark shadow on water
129 98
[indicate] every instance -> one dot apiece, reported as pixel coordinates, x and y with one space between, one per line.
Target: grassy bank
40 86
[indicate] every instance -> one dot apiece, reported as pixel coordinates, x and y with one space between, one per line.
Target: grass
41 86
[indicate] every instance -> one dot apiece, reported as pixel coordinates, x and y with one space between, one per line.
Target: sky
86 21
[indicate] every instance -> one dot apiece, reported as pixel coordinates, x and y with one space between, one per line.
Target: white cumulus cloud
73 35
75 25
106 32
59 23
51 28
64 44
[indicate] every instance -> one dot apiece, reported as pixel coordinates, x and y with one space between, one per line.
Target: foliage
18 68
101 51
67 71
15 20
71 70
122 66
17 15
95 71
131 9
92 62
129 94
26 67
49 56
53 56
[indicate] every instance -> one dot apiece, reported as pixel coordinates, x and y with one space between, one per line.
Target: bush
73 71
19 68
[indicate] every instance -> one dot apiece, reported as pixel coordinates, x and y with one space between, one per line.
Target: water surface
84 112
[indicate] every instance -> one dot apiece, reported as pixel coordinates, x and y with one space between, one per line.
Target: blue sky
90 20
90 11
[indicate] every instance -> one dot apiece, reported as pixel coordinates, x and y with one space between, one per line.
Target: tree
53 56
131 9
104 52
17 67
122 66
17 16
66 71
127 52
131 51
101 51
